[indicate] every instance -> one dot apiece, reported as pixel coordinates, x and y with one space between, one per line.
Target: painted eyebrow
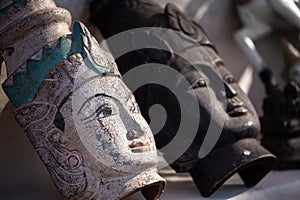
96 95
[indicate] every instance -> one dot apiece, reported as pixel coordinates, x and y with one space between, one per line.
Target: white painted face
111 127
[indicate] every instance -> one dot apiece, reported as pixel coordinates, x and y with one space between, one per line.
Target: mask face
93 138
219 95
85 124
240 115
110 126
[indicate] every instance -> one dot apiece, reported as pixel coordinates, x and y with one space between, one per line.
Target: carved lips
138 146
236 108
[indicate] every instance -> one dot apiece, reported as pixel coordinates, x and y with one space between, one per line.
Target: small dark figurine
237 149
281 120
281 125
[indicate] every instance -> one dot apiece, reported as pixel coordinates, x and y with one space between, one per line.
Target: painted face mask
190 52
80 117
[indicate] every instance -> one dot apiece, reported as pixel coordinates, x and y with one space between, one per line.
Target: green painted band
26 84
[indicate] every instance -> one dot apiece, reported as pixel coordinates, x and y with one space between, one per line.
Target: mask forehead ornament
78 114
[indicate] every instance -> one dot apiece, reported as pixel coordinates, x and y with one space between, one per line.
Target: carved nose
133 134
230 92
135 127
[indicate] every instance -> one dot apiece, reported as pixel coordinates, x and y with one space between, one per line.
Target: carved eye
105 110
199 83
230 79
